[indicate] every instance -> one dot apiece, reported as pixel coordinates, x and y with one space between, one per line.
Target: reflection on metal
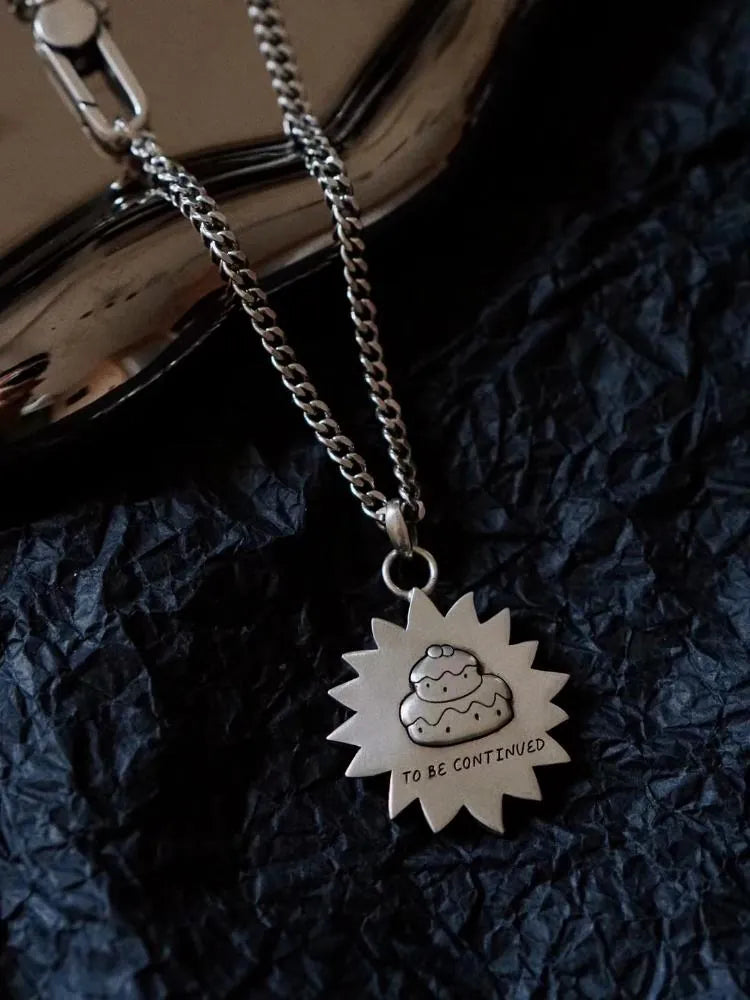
91 271
19 387
108 375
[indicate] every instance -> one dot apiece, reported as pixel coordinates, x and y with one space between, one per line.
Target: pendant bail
401 534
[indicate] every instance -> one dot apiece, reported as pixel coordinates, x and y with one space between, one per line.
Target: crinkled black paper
567 320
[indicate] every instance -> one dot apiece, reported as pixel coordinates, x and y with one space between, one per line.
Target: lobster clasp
72 38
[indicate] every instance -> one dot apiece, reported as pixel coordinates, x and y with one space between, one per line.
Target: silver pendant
453 710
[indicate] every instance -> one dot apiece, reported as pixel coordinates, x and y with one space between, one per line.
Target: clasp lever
72 38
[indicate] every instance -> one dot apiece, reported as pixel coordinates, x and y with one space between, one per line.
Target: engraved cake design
440 774
453 699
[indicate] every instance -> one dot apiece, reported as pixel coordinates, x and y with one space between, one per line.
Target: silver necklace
447 705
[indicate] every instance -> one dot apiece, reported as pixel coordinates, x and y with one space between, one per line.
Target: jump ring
399 591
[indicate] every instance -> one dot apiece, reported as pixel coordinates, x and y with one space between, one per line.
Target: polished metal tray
102 287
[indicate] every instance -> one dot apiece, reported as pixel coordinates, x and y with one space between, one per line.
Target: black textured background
566 316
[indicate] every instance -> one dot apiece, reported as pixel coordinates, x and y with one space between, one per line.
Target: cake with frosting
453 699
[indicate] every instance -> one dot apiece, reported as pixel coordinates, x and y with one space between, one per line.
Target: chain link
25 9
190 198
324 164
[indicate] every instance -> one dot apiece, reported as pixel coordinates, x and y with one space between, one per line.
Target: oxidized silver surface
453 710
